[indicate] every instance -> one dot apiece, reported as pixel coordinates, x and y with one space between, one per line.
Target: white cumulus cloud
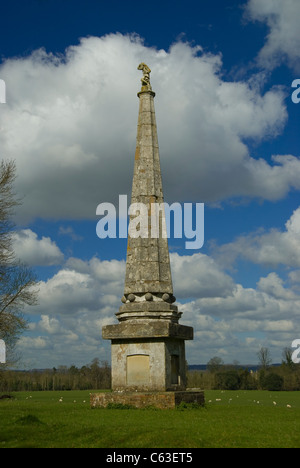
283 39
33 251
274 247
70 124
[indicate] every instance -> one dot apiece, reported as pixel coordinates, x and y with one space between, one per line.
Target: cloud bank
70 124
83 296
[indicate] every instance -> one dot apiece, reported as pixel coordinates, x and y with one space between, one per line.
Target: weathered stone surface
148 344
142 310
150 306
147 264
147 329
161 400
165 368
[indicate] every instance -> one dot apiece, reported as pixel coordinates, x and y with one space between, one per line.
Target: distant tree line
218 375
95 375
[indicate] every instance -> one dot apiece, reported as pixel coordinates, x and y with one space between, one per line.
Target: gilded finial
146 86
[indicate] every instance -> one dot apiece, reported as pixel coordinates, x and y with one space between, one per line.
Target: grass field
229 419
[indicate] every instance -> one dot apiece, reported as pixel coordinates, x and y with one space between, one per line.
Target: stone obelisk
148 343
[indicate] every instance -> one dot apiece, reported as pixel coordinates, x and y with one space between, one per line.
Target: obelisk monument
148 344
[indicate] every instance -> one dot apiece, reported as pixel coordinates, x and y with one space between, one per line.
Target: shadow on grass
29 419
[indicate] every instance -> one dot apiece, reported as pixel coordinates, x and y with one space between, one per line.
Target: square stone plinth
148 365
148 356
161 400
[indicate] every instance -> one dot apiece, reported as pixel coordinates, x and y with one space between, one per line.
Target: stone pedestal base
148 355
161 400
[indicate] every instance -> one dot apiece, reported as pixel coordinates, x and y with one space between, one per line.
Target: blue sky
229 138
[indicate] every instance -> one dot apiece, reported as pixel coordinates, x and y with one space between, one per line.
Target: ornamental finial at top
146 86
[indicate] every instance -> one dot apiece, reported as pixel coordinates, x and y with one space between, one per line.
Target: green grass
229 419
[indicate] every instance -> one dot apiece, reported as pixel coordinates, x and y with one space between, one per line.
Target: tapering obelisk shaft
147 345
148 264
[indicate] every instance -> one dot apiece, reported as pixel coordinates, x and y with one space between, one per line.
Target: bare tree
287 357
264 357
16 280
215 364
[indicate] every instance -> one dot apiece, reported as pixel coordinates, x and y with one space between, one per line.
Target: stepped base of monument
161 400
